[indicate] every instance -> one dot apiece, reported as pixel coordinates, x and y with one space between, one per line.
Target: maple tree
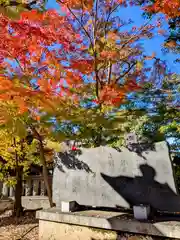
169 8
110 56
24 56
31 74
92 127
96 61
98 70
114 67
109 64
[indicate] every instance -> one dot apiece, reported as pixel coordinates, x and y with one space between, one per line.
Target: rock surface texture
106 177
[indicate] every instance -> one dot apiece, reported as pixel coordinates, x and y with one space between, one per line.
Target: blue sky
153 45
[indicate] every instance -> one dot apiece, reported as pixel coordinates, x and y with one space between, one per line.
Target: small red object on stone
74 148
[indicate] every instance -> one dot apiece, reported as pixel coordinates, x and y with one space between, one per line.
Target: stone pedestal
89 225
57 231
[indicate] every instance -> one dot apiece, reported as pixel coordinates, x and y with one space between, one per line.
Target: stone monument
105 177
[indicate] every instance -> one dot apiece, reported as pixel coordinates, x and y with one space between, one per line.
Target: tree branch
124 74
111 10
16 59
95 53
109 72
80 23
135 36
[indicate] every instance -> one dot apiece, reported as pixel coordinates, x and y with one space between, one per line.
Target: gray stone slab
105 177
51 223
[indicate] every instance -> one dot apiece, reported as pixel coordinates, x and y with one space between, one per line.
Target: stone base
100 225
56 231
35 202
28 202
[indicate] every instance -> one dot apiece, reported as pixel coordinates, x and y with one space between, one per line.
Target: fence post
28 187
32 186
42 188
5 190
35 187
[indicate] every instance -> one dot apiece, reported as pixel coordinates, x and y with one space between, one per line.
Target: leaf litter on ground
23 228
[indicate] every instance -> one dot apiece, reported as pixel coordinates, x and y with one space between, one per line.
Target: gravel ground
24 228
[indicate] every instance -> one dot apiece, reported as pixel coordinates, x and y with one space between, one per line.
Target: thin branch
135 36
19 64
109 72
80 23
124 74
28 231
95 53
111 10
92 45
95 21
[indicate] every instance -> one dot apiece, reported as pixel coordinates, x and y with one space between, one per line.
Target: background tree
171 10
160 108
17 157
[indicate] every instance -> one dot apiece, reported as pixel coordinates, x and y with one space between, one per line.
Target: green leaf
12 12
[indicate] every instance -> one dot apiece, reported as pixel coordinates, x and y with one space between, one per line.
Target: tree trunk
97 137
45 173
43 162
18 209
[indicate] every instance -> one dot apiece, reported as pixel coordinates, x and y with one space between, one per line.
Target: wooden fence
32 186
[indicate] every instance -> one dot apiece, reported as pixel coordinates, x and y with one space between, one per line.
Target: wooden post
35 187
42 188
28 187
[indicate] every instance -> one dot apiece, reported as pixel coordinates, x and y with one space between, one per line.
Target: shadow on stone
140 148
106 178
131 226
70 161
145 190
